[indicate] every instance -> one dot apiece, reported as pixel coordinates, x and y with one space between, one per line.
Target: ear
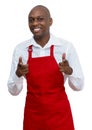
51 21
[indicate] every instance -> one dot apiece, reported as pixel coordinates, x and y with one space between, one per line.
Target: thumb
20 61
63 56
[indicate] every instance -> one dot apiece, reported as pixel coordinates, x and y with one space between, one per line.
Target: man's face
39 22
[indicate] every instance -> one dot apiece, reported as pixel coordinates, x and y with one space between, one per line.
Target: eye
31 20
40 19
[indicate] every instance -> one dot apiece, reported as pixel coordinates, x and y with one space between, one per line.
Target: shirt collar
52 41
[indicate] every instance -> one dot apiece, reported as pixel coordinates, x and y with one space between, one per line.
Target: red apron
47 106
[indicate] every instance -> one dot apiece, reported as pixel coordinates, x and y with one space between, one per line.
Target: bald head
39 24
42 8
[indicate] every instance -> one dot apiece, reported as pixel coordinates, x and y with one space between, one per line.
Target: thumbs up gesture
64 65
22 69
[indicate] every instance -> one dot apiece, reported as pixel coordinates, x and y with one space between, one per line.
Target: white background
73 22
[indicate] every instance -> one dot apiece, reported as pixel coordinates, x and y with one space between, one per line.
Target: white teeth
36 29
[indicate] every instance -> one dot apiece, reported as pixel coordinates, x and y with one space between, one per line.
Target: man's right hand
22 69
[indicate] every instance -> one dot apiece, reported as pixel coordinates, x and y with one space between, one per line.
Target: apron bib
47 106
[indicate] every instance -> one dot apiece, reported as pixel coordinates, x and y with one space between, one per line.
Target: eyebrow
37 16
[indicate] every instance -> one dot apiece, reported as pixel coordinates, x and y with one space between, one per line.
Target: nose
35 22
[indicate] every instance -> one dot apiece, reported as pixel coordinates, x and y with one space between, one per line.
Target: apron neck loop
30 50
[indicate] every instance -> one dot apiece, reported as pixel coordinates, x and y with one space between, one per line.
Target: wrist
70 71
18 73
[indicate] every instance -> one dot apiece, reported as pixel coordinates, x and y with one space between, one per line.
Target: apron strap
51 50
30 51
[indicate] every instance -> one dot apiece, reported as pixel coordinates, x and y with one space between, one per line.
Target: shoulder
23 45
60 41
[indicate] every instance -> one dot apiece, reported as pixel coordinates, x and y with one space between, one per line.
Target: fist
22 69
64 65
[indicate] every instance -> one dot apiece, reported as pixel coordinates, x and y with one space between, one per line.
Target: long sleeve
15 84
76 80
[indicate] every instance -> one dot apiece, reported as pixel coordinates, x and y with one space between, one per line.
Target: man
46 62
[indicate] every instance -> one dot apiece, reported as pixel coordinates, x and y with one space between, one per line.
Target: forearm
76 83
15 85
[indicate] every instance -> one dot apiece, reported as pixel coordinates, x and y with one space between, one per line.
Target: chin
37 36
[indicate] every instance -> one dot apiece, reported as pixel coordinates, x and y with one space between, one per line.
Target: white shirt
75 81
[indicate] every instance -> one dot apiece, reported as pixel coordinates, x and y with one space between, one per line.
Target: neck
42 41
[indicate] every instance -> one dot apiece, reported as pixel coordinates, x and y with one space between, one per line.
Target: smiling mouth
36 30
